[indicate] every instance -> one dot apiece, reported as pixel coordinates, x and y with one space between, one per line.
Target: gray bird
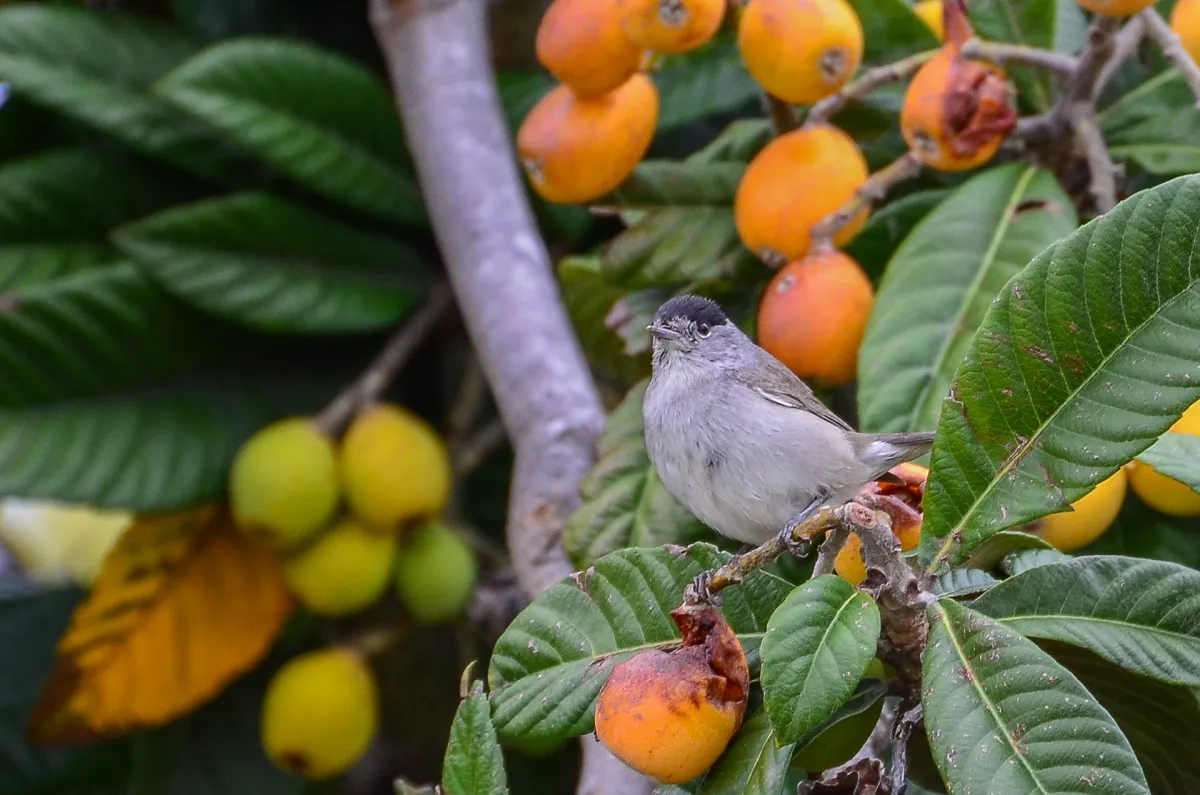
742 442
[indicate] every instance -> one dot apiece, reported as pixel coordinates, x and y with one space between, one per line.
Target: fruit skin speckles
671 26
800 52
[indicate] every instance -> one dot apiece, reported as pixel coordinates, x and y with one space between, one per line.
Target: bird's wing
775 382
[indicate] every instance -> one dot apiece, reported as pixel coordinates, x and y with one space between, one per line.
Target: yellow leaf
183 605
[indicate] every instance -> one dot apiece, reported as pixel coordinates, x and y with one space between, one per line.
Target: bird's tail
882 451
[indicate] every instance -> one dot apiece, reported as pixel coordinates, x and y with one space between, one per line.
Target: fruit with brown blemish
582 44
320 713
671 714
800 52
574 150
671 26
791 185
813 315
901 499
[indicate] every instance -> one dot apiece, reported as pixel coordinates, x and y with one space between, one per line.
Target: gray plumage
742 442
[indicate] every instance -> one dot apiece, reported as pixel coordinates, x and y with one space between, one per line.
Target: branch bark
1158 30
438 58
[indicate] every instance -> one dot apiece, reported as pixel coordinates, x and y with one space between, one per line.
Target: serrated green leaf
891 30
1143 615
474 764
592 304
755 763
1002 716
1025 559
962 582
1142 532
1153 716
818 645
705 82
549 665
874 246
117 395
678 183
940 283
267 263
1087 356
95 68
1029 22
679 245
1155 125
624 503
57 206
1176 455
286 101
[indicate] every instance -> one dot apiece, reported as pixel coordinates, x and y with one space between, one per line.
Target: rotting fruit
670 715
957 112
346 569
791 185
320 713
1090 517
1165 494
800 52
901 500
582 44
1115 8
1185 22
930 12
574 150
813 315
283 484
671 26
394 468
435 573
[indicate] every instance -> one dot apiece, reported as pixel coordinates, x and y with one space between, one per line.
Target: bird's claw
799 547
698 591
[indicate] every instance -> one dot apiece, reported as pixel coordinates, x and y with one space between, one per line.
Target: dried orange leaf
182 605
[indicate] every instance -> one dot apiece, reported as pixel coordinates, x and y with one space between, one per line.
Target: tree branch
871 80
1125 45
1158 30
438 57
1001 53
874 189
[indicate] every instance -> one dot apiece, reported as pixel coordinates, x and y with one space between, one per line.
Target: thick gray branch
438 56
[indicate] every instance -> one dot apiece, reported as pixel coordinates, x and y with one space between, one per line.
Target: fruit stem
1158 30
871 80
1001 53
781 114
380 373
874 189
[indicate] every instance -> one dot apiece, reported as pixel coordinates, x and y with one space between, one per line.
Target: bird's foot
698 593
799 547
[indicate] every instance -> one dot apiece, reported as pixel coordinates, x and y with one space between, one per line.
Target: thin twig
871 80
874 189
383 370
1158 30
1103 186
468 402
1000 53
835 539
1125 46
901 732
475 449
781 114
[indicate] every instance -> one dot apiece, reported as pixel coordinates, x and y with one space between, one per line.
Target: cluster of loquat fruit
349 518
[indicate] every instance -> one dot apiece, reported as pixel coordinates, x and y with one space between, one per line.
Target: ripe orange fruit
670 26
1185 21
930 12
1115 8
1092 515
902 503
581 43
792 184
1165 494
574 150
956 111
800 51
670 715
813 315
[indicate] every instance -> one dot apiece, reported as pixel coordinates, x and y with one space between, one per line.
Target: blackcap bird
741 441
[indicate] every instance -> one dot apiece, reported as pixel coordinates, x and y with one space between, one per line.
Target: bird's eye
703 330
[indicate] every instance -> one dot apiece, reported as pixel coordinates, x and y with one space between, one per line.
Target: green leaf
1000 545
837 738
261 261
755 763
1143 615
962 582
216 750
624 503
96 67
1153 716
1025 559
891 30
737 143
1002 716
679 245
592 304
474 764
705 82
1029 22
1086 357
286 103
57 206
1155 126
31 621
549 665
667 183
940 283
1176 455
117 395
874 246
818 646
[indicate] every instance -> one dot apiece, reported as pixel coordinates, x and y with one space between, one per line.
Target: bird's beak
662 332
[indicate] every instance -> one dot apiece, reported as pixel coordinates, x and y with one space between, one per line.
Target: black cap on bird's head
687 316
